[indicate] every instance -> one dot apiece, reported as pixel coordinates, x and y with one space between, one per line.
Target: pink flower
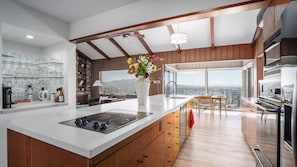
155 59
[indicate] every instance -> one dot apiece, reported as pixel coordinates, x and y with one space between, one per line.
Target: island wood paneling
231 52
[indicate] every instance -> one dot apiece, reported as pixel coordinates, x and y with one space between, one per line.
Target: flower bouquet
143 66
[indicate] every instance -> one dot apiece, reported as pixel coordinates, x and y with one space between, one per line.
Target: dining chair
224 103
204 102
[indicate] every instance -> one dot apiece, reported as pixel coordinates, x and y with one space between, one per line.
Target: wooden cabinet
272 17
249 123
25 151
19 149
156 145
176 133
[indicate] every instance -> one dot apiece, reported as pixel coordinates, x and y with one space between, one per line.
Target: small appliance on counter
6 97
43 95
30 92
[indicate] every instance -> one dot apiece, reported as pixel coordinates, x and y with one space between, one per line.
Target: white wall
13 13
140 12
67 51
29 50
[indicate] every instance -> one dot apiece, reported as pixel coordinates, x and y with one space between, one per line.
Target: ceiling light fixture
178 37
29 36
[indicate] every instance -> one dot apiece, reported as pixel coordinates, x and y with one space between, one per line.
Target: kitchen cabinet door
155 153
18 149
46 155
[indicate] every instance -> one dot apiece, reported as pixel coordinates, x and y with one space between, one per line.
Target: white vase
142 86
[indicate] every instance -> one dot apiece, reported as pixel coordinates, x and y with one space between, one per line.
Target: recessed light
29 36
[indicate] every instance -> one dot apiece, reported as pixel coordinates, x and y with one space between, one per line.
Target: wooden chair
224 103
204 102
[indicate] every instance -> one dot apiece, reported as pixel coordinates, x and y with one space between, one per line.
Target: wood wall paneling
280 6
212 54
224 53
230 53
207 54
218 53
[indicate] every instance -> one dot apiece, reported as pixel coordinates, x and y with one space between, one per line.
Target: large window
190 82
117 82
226 83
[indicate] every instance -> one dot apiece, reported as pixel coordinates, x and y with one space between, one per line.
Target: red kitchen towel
191 119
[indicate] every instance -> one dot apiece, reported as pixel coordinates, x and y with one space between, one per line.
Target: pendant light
178 37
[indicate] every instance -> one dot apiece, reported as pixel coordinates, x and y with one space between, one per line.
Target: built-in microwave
272 49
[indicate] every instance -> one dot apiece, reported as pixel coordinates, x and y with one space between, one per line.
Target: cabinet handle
140 161
145 156
169 133
169 147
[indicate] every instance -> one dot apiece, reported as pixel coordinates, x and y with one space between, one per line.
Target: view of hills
126 87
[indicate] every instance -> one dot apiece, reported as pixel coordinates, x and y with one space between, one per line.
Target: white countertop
45 126
31 105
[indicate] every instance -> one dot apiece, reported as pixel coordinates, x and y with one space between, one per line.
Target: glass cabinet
27 76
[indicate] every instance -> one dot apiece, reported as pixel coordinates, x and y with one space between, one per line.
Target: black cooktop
104 122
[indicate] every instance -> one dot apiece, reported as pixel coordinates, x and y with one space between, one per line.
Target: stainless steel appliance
268 132
268 119
183 124
288 120
105 122
6 93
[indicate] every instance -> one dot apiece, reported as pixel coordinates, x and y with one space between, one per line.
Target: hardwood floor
216 142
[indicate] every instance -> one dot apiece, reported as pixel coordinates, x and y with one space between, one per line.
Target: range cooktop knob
96 125
78 122
84 122
103 126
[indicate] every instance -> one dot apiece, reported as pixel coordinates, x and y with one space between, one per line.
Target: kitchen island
45 127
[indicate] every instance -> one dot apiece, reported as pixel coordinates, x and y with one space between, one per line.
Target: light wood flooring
216 142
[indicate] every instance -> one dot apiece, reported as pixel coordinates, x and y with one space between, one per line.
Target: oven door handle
293 123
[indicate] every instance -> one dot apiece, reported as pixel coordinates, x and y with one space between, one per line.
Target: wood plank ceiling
226 25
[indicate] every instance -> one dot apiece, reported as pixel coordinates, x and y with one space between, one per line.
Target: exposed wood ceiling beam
228 9
119 47
82 54
256 35
171 31
212 32
142 41
98 50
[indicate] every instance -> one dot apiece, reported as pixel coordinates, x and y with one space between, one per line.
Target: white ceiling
73 10
18 34
238 28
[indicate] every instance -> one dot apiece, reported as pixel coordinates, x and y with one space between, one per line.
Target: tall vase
142 86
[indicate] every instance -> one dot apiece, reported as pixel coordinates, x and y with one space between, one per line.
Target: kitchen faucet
168 88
